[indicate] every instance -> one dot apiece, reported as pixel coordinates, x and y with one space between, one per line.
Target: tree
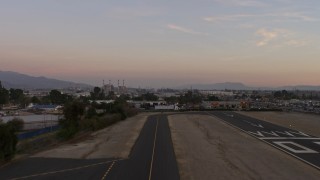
150 97
171 99
97 93
4 95
56 97
190 98
139 98
35 100
16 95
16 123
73 113
213 98
120 106
8 141
284 95
91 112
125 97
111 95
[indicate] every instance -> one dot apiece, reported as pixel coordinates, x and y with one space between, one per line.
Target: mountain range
241 86
11 79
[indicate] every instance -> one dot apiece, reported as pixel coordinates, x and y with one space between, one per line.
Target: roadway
152 157
298 144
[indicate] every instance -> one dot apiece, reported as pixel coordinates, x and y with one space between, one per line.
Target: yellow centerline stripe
154 145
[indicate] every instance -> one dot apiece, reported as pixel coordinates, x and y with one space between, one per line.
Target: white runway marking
65 170
302 149
305 138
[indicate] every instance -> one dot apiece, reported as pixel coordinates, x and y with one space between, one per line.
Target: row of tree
188 98
80 115
285 95
17 97
14 96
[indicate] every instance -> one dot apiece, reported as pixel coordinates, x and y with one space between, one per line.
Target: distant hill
218 86
240 86
300 87
16 80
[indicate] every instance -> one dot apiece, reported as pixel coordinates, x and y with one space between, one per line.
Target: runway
298 144
151 158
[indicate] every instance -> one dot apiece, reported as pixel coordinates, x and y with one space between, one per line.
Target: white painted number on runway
300 149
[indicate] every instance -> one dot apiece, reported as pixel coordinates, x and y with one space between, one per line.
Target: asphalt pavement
151 158
298 144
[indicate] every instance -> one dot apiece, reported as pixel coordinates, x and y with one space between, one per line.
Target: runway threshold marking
107 172
62 171
154 145
305 138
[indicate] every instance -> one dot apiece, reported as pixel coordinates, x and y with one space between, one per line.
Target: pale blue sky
163 43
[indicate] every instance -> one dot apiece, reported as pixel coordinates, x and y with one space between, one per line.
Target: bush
8 141
16 123
91 112
73 114
96 123
67 133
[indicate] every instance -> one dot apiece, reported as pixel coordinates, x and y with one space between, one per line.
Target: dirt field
306 123
207 148
114 141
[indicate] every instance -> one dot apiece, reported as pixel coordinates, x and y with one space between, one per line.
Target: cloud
243 3
227 17
279 16
184 30
299 16
267 36
279 38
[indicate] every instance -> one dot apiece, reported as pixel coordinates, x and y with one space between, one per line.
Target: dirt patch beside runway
115 141
307 123
207 148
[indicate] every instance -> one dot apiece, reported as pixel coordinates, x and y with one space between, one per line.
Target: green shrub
67 133
8 141
96 123
91 112
73 113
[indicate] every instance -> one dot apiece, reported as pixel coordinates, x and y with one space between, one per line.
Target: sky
163 43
